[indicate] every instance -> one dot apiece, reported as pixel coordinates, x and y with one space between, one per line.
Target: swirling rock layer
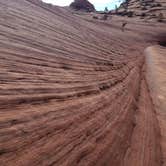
72 89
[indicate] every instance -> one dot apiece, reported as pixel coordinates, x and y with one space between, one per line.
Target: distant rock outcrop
150 9
83 5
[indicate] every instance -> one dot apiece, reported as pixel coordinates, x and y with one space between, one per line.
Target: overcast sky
99 4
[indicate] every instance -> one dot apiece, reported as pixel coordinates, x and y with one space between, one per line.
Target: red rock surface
156 77
73 90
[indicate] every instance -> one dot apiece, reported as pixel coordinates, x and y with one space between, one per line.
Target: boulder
83 5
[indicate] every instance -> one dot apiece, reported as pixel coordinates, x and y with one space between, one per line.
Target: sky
99 4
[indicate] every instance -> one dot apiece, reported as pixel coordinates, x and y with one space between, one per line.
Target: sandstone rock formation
73 89
83 5
143 8
156 77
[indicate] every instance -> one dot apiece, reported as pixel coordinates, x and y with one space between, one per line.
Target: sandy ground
73 90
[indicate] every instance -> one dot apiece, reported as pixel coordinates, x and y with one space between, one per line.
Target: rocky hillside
150 9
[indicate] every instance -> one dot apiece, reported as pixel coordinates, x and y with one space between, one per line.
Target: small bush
143 14
160 17
65 67
105 17
130 14
144 8
158 5
95 17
